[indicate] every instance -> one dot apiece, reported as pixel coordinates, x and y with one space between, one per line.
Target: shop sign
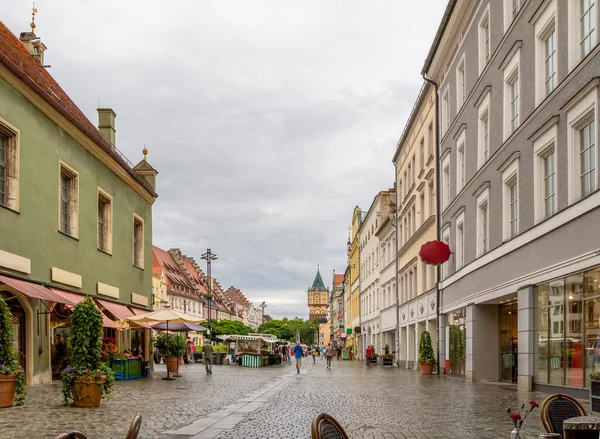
435 252
349 331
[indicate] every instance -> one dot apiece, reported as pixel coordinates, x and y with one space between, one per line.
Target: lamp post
209 256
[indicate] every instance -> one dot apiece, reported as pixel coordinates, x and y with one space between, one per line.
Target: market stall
255 350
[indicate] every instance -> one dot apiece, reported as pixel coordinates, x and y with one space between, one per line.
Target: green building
75 215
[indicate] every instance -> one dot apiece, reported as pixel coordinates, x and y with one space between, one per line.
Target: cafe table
581 427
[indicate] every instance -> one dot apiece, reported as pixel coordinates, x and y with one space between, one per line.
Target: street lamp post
209 256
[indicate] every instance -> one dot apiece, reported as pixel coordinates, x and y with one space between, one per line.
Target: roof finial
33 12
145 152
317 267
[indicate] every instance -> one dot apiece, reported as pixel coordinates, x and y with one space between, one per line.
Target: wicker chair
556 409
134 428
327 427
72 435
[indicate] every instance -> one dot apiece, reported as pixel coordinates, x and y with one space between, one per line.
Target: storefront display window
567 330
457 341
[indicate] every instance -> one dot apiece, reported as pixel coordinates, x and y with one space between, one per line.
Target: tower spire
33 12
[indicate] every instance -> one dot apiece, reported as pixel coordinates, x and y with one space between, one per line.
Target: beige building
416 224
159 288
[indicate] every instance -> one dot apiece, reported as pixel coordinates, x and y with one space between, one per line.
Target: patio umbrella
180 327
166 316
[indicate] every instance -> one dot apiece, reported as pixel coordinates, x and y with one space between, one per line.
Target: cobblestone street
276 402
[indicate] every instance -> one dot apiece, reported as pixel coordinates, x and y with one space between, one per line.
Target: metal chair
327 427
556 409
134 428
72 435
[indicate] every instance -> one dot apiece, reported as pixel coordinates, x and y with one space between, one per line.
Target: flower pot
87 390
8 388
426 368
172 364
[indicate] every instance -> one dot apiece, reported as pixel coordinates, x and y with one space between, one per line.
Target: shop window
457 341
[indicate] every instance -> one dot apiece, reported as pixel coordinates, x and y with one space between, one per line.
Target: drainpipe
437 206
396 204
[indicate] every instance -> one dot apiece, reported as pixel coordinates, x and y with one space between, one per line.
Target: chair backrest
134 428
72 435
327 427
556 409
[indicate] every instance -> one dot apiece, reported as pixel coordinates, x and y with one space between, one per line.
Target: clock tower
318 298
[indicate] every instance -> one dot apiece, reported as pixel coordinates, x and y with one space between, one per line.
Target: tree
426 354
278 328
286 329
228 327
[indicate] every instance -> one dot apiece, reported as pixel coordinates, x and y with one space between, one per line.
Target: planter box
595 396
387 361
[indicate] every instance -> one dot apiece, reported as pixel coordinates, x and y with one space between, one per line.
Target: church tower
318 298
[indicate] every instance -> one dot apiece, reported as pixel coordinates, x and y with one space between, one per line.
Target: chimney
35 46
106 125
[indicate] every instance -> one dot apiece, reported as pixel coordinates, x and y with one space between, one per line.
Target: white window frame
73 203
510 176
461 150
13 164
574 34
484 35
446 176
578 115
446 239
139 261
483 114
460 242
108 222
445 110
483 199
512 75
430 140
545 25
544 145
431 197
509 15
461 83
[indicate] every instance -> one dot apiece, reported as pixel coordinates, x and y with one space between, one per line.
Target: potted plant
87 380
426 355
387 359
12 376
171 348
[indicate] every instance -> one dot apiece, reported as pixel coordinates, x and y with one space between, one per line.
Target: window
431 196
414 217
446 240
582 23
460 162
550 62
422 152
545 50
512 101
510 180
68 201
422 206
581 144
461 88
511 9
460 241
483 233
9 166
587 25
414 168
484 39
430 140
544 173
446 182
138 242
104 221
445 111
483 142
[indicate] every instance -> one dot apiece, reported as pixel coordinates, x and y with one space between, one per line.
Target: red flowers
534 404
519 418
515 417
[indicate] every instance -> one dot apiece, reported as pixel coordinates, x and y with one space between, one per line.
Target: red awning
35 291
139 312
121 312
76 298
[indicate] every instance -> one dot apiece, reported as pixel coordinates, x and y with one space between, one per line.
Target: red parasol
435 252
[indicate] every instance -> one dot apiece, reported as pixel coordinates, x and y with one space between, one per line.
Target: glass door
508 342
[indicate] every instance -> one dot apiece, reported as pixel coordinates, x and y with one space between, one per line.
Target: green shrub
8 359
169 345
221 348
426 354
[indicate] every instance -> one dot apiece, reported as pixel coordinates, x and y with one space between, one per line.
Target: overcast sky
267 120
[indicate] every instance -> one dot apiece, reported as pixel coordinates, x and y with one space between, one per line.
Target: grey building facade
518 89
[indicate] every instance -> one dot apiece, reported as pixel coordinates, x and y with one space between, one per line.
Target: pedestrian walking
329 355
368 353
321 354
207 351
298 354
314 353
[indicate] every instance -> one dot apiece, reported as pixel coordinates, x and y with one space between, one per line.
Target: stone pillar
402 348
526 338
469 354
410 344
421 326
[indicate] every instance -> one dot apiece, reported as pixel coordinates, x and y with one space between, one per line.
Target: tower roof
318 282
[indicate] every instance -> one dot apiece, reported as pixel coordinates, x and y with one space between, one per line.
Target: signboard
349 331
